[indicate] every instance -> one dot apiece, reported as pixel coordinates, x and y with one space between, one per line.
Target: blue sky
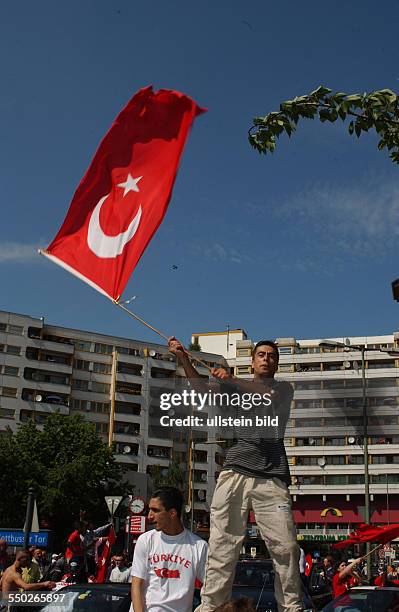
302 243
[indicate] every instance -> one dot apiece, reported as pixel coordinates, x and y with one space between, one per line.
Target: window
285 350
243 370
102 368
334 403
315 403
10 370
80 364
17 330
101 428
7 413
334 441
383 363
127 408
82 385
355 459
129 429
124 350
102 407
105 349
2 347
8 391
356 479
78 404
308 441
13 350
129 388
3 327
336 480
243 352
100 387
133 369
81 345
34 332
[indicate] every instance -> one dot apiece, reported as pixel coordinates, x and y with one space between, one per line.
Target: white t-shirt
118 575
170 565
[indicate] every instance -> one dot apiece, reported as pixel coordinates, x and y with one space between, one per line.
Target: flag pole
154 329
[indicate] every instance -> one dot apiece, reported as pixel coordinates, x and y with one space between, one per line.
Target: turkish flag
308 564
124 195
370 533
103 554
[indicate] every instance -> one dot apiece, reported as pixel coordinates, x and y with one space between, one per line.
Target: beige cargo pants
270 500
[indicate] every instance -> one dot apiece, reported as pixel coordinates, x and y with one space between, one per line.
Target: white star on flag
130 184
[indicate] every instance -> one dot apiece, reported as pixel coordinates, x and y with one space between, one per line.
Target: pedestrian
5 560
75 548
12 580
168 560
346 576
255 474
89 540
120 573
30 570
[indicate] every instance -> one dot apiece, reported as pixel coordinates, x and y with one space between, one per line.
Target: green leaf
351 127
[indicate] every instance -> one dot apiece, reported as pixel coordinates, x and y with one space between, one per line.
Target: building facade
46 368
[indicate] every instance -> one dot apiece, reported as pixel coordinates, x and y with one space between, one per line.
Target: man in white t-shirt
169 561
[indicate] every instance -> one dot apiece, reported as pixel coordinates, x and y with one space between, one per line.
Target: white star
130 184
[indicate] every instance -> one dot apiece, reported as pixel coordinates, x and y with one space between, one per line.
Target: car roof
94 586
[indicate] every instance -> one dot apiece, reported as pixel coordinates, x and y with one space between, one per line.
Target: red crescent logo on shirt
164 572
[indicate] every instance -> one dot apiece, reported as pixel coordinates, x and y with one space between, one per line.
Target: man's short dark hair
170 497
266 343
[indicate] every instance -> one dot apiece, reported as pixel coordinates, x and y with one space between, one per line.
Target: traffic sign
113 502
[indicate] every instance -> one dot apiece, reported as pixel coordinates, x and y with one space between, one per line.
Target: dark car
107 597
366 599
255 580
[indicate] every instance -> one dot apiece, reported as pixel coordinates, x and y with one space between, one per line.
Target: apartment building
46 368
324 437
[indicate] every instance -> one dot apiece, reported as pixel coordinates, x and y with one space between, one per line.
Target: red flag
308 564
104 555
370 533
124 195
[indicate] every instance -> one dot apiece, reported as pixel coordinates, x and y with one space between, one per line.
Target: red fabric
74 546
104 556
370 533
339 587
309 563
145 142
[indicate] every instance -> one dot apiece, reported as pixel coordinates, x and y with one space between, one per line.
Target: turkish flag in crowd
370 533
124 195
104 554
308 564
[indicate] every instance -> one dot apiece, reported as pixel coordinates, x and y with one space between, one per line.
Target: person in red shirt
75 548
345 577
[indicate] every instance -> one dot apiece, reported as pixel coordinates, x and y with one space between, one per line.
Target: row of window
345 460
306 350
16 330
343 479
9 370
342 421
345 402
343 383
340 441
106 368
10 349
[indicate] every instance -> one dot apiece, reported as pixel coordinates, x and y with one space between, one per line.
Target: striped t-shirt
261 452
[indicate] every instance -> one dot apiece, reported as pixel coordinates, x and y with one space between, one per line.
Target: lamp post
362 349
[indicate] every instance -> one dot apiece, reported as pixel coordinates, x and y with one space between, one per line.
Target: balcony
54 345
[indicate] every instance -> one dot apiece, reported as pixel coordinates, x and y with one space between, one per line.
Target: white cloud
16 252
359 219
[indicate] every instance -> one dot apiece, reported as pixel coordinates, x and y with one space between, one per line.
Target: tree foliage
378 110
69 466
194 346
173 476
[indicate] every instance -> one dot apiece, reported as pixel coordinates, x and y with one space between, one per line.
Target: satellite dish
347 341
312 441
347 364
38 398
171 412
351 440
152 353
203 477
321 461
201 494
298 367
355 366
187 508
127 449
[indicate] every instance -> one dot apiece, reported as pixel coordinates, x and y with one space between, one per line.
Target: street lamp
347 346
